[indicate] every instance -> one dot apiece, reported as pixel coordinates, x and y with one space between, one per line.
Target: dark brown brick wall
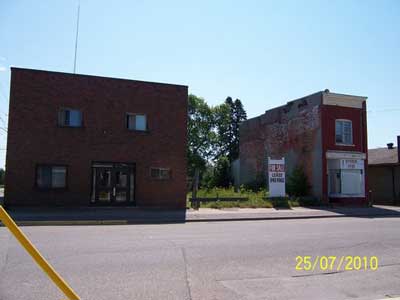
34 137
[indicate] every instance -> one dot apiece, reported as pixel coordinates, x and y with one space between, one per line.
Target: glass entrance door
104 188
113 184
121 184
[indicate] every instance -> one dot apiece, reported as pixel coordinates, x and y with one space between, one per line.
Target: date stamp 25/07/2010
336 263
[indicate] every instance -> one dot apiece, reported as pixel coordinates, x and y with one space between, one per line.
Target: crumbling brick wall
292 131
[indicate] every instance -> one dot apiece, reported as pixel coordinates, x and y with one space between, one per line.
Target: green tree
297 184
223 124
238 116
201 134
257 184
213 138
222 172
207 177
228 117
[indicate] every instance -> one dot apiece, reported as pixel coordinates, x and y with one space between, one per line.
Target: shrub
207 178
281 202
222 172
257 184
297 184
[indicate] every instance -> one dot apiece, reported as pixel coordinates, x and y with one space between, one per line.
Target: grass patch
254 203
255 199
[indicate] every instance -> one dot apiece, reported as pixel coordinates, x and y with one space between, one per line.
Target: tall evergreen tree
228 118
238 115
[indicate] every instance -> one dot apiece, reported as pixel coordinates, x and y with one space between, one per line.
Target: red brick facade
358 117
34 136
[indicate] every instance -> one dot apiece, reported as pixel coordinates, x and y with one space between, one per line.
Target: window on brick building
344 132
136 122
51 177
70 118
160 173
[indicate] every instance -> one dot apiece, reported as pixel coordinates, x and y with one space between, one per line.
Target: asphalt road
222 260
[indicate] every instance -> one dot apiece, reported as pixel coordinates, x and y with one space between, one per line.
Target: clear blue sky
263 52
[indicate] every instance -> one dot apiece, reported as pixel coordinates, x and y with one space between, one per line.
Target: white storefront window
352 182
346 177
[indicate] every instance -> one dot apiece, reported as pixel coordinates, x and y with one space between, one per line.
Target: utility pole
76 37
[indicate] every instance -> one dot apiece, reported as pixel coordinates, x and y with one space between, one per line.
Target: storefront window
352 182
335 181
346 177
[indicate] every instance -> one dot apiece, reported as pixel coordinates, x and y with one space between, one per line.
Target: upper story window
344 132
136 122
160 173
70 117
51 177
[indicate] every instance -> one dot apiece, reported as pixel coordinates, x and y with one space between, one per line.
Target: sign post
276 177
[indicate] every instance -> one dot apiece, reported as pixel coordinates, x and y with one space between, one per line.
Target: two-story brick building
325 133
86 140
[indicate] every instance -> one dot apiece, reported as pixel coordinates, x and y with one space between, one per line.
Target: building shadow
376 211
97 215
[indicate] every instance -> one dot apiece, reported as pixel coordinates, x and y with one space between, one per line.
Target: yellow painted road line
39 259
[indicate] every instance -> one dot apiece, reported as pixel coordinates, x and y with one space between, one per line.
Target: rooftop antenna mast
76 37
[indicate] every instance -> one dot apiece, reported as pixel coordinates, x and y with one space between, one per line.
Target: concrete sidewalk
132 215
293 213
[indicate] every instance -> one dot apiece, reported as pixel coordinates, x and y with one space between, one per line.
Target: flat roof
381 156
95 76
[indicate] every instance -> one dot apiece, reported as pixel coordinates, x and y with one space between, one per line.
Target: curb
294 217
171 221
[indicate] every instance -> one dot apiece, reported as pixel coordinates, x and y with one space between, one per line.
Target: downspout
324 178
393 185
362 129
365 148
397 197
398 149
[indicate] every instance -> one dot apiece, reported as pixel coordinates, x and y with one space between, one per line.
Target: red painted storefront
358 118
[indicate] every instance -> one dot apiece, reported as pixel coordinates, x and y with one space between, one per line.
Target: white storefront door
346 177
352 182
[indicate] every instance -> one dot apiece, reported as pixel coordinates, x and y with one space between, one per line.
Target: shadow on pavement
378 211
131 215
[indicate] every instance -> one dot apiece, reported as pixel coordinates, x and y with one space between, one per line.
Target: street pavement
208 260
